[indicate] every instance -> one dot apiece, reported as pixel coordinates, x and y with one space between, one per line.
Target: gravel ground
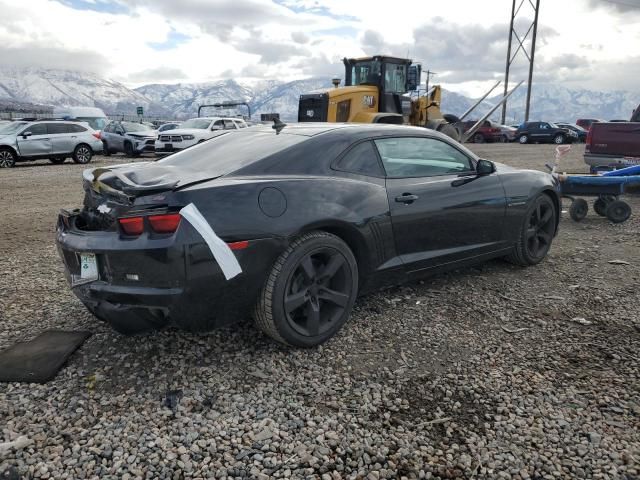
487 372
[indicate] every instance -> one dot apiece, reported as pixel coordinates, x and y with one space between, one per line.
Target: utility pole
529 53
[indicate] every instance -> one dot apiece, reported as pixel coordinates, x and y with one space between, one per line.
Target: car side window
36 129
76 128
229 125
421 157
57 128
218 125
361 159
544 126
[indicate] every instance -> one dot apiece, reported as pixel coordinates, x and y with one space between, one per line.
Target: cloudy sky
581 43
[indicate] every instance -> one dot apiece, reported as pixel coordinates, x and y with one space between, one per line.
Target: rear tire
618 211
537 232
82 154
57 160
309 292
579 209
478 138
7 158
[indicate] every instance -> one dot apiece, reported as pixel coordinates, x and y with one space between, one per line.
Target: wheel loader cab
373 93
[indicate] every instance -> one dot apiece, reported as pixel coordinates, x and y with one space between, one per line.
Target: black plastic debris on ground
39 359
172 398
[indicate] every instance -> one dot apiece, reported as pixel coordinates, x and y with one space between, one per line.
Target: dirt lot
485 372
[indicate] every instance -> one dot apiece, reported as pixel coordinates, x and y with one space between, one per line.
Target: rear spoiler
129 187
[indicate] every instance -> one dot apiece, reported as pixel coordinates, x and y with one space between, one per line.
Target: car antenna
278 125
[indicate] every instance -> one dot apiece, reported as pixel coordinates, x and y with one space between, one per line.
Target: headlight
188 137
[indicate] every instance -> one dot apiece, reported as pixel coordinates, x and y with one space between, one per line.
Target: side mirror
485 167
26 134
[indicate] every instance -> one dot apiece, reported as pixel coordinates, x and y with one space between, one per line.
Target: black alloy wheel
537 232
310 291
318 292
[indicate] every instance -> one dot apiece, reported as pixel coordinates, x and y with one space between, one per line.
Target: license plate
88 266
168 146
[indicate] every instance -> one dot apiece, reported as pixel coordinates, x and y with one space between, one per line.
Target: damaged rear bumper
153 281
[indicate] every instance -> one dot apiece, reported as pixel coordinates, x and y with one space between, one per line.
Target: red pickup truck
613 144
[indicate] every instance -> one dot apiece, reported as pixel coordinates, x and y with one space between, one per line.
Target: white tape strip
220 250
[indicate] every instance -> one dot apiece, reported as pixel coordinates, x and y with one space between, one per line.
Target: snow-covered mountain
46 87
66 87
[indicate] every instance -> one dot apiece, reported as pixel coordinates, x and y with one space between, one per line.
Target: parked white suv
194 131
53 139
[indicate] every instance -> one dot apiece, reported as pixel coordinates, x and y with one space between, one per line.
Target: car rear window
229 151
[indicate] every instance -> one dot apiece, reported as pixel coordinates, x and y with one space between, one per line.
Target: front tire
128 150
536 233
7 158
82 154
559 139
523 139
309 292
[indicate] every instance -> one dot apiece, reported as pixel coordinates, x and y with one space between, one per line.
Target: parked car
485 133
167 126
293 224
508 132
587 122
52 139
613 145
194 131
95 117
544 132
581 132
128 137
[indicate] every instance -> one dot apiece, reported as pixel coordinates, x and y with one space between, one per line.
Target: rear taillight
167 223
587 142
97 135
132 225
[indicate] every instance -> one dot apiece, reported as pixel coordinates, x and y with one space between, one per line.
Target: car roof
311 129
218 118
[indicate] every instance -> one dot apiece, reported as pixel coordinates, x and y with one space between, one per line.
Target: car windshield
198 123
365 72
97 123
229 151
134 127
12 127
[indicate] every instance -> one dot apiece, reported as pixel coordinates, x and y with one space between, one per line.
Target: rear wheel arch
352 238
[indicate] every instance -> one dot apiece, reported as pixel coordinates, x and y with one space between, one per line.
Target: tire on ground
7 158
82 154
269 312
521 255
579 209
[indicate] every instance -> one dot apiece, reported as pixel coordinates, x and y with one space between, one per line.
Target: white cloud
463 40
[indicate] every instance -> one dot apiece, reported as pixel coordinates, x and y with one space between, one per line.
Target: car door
34 141
441 210
116 140
62 138
546 132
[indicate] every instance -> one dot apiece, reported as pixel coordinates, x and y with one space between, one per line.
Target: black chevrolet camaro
291 224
